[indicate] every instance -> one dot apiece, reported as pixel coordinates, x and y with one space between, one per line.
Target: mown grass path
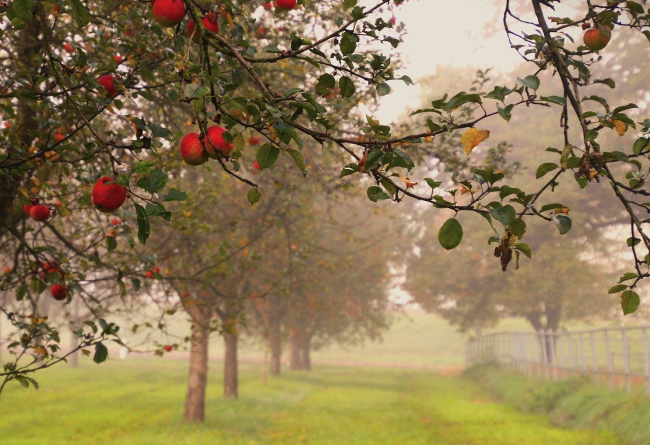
140 402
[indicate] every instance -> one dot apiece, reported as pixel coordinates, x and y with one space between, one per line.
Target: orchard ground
385 398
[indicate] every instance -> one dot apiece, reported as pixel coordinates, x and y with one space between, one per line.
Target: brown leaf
409 184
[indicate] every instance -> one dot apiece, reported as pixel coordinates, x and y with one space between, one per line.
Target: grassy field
140 402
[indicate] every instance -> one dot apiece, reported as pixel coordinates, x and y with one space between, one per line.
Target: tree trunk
230 365
305 347
73 359
295 354
198 378
275 342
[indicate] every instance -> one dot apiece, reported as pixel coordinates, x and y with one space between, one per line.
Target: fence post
555 342
610 362
626 359
572 360
544 352
583 357
562 356
594 357
646 360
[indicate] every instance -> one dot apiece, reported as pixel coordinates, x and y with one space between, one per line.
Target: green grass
141 402
573 403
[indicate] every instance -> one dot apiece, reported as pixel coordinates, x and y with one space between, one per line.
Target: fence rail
619 357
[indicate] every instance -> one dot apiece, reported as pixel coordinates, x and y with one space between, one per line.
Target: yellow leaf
620 126
564 210
409 184
472 138
85 352
40 350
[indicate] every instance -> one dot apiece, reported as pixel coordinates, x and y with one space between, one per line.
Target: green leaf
155 181
383 89
346 86
627 276
298 159
517 228
267 155
22 9
545 168
531 82
630 302
376 194
618 288
523 248
111 244
349 43
79 13
144 230
175 195
347 4
433 184
349 169
609 82
640 145
450 234
559 100
563 223
101 353
373 159
632 241
254 196
325 84
505 215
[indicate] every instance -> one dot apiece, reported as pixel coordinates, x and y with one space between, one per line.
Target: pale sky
444 32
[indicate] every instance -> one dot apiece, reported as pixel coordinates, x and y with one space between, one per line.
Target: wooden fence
618 357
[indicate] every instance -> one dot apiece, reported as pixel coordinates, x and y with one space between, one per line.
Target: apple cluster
196 149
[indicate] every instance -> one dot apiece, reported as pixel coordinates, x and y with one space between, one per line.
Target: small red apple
287 5
597 38
59 137
192 150
211 23
156 269
267 5
168 13
7 125
393 20
108 195
68 47
39 212
168 348
55 9
215 140
108 82
116 222
27 208
118 58
256 165
59 292
6 270
149 274
253 140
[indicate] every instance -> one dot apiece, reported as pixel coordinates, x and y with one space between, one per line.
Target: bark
306 352
295 353
230 367
198 377
275 343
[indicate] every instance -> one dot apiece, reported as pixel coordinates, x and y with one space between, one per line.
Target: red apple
192 150
267 5
6 270
7 125
211 23
253 140
393 20
168 13
59 137
286 4
118 58
67 47
256 165
215 140
598 38
39 212
27 208
156 269
116 222
169 348
149 274
108 195
59 292
108 82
